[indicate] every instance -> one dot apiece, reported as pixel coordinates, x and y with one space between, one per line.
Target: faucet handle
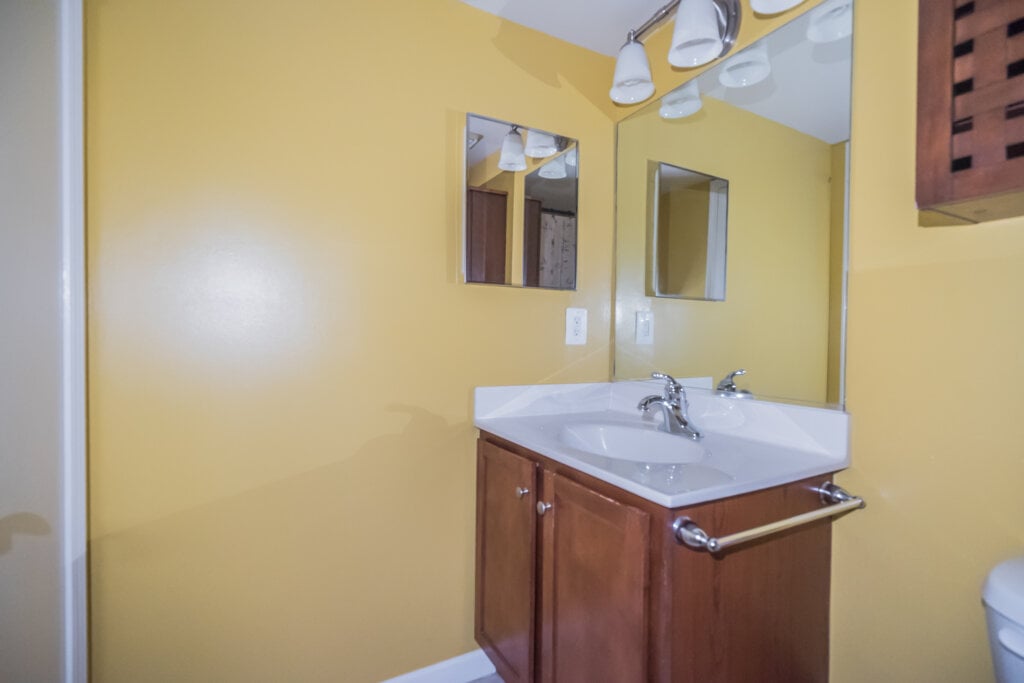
728 382
673 389
672 385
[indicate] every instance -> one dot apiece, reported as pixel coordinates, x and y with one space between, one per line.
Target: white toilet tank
1004 603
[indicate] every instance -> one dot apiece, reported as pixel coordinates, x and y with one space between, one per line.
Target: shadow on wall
520 46
346 572
24 523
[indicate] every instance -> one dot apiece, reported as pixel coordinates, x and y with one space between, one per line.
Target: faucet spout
674 407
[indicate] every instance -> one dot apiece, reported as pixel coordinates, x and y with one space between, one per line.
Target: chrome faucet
727 387
674 407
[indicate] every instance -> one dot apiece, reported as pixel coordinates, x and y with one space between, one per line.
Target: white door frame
73 445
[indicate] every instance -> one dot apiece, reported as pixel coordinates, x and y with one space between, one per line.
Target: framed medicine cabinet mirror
773 120
521 205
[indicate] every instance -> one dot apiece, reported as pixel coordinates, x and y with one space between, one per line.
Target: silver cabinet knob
520 491
543 507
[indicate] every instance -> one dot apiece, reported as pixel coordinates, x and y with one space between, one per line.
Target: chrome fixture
543 507
674 407
704 30
836 500
727 387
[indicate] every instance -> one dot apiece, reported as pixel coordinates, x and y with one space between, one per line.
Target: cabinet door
506 540
594 587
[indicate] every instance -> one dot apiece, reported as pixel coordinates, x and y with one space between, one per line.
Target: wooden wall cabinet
595 588
970 108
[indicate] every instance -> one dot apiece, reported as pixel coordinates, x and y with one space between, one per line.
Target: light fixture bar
656 20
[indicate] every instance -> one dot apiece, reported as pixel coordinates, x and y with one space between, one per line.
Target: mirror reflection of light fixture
747 68
472 139
539 145
830 21
773 6
681 102
554 169
704 30
512 156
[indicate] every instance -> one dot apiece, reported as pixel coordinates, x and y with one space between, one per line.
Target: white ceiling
598 25
809 88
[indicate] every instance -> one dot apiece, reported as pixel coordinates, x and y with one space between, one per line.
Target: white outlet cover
575 326
644 327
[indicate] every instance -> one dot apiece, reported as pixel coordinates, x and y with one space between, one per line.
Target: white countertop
748 444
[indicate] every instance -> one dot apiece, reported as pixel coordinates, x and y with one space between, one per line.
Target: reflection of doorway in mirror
486 235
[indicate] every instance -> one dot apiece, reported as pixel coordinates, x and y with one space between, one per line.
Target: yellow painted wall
934 367
774 321
281 358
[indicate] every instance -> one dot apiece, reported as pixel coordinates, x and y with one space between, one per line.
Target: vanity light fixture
773 6
704 30
830 21
540 145
682 102
512 156
632 82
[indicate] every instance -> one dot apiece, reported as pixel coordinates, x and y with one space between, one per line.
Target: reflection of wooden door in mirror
531 243
486 235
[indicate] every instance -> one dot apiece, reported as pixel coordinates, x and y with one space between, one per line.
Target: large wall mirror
521 204
774 121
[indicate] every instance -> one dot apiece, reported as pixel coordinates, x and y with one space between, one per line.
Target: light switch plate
575 326
644 327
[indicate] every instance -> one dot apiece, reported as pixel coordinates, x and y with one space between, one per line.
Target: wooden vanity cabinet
597 589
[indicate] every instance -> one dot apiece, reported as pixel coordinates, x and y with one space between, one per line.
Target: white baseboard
461 669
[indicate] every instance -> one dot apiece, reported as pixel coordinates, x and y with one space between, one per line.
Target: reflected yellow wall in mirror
774 321
682 242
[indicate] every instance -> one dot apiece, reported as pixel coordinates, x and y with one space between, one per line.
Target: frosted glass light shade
681 102
512 157
747 68
832 20
632 82
554 169
773 6
540 145
696 38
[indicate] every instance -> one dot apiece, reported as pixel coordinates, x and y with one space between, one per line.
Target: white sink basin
632 443
748 445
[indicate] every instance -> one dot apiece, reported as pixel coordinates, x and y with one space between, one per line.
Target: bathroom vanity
580 571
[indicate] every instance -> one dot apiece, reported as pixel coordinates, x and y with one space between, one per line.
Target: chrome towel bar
837 502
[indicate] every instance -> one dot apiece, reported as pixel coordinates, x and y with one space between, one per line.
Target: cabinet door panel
594 594
505 566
